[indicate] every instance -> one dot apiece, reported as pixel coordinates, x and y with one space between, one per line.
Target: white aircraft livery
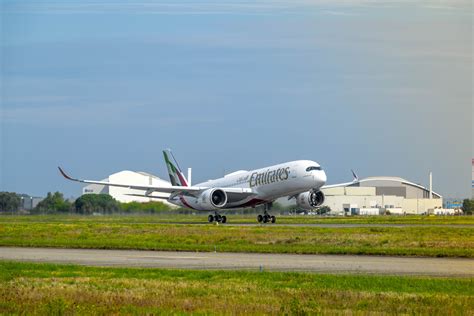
300 179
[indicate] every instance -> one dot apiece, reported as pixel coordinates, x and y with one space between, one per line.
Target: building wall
398 191
366 191
416 193
394 196
359 191
418 206
129 177
123 194
29 202
407 206
452 203
96 188
337 202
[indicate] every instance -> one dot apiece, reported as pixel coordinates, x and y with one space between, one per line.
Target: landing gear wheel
273 219
210 218
224 219
266 218
218 218
260 218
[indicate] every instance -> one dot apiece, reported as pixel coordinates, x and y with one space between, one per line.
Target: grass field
27 288
246 219
130 233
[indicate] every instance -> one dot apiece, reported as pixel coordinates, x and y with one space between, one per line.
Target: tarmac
350 264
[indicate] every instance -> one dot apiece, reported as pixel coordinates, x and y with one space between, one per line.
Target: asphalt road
246 261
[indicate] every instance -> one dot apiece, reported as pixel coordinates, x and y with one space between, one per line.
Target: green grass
244 219
27 288
119 233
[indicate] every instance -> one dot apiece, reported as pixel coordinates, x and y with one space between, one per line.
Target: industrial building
451 203
29 202
126 195
378 195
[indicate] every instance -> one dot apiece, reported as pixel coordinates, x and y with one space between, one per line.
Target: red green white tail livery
176 176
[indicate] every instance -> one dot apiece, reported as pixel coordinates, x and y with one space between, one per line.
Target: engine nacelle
212 199
310 200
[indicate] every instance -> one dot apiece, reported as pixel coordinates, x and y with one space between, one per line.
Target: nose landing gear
218 218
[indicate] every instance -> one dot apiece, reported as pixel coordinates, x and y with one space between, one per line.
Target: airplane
302 180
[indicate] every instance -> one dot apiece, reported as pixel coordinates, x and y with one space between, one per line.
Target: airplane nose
319 178
322 177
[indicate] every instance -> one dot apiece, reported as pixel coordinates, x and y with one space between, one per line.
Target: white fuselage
266 184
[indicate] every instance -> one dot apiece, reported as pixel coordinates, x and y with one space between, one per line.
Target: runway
238 224
345 225
246 261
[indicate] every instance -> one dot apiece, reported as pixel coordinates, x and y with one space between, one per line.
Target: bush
9 202
53 203
324 210
147 207
96 203
468 206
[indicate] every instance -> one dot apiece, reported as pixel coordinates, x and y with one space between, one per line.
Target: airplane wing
345 184
163 189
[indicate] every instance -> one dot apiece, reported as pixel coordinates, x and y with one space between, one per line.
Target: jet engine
310 200
213 199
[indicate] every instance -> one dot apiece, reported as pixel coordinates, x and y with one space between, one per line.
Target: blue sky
101 86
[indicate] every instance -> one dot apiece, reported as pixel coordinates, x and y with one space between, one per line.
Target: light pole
21 203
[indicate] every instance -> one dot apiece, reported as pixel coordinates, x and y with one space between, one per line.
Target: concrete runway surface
246 261
255 224
332 225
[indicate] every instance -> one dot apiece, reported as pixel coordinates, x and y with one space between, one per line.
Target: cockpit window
312 168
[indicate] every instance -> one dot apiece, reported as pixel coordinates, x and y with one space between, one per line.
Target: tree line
87 204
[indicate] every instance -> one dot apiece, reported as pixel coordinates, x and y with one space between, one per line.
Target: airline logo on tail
176 176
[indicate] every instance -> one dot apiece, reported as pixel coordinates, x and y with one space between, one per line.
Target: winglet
356 178
65 175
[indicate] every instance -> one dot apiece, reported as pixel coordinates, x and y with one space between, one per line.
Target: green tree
53 203
468 206
96 203
323 210
9 202
146 207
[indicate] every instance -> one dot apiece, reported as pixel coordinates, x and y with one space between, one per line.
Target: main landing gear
218 218
266 218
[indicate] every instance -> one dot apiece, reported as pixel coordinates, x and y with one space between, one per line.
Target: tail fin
176 176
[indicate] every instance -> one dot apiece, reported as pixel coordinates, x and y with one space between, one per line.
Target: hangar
126 195
380 195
